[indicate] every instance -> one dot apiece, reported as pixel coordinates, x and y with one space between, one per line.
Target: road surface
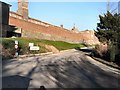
68 69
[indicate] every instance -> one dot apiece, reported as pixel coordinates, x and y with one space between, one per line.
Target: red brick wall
58 32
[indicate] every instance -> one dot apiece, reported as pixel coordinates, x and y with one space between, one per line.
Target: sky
84 15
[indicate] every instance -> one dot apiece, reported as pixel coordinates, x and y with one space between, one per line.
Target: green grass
60 45
8 44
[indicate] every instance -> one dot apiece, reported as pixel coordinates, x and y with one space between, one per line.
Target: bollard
16 48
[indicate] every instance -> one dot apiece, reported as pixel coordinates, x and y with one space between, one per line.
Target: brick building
4 18
33 28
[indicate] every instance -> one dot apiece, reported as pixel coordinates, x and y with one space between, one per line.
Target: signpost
34 48
16 42
16 48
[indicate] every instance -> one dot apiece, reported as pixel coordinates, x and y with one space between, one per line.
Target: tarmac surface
67 69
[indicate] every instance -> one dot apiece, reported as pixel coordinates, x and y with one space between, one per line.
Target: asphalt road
69 69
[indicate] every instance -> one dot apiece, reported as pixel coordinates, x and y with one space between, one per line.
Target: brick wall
32 28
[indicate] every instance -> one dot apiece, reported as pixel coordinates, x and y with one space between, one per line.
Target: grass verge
9 49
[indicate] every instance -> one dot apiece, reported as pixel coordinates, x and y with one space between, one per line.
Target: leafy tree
108 30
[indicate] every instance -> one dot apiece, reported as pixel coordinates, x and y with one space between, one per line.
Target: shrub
9 46
101 51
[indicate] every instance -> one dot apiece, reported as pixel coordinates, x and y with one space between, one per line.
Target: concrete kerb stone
103 61
32 55
104 66
106 63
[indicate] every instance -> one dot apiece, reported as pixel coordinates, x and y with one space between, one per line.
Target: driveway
68 69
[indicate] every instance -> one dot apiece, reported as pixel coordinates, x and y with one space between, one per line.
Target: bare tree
112 7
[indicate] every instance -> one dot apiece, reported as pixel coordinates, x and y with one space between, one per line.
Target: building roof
5 3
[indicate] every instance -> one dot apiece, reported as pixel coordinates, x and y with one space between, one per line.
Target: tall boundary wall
33 28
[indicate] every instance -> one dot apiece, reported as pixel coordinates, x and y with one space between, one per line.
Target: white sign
16 42
34 48
16 46
31 44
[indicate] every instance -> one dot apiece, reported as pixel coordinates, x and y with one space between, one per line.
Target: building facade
4 18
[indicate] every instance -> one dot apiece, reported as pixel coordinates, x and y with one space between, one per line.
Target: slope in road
70 69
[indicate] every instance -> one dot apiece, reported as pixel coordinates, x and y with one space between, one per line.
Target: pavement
66 69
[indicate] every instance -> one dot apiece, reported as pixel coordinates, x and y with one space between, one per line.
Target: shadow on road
71 72
82 75
15 81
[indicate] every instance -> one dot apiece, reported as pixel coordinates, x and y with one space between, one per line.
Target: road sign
16 46
16 42
34 48
31 44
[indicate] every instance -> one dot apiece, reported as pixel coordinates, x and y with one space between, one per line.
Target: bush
9 46
101 51
8 49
